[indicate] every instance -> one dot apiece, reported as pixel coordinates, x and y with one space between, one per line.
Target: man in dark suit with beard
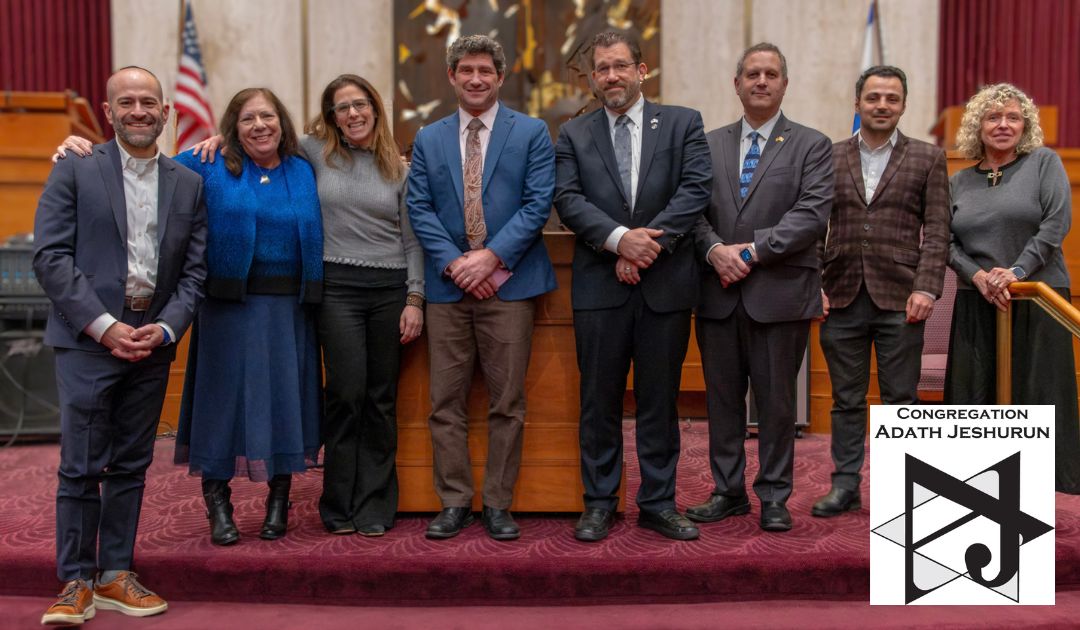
772 189
631 181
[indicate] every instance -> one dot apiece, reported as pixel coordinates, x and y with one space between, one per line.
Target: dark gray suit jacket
673 189
784 214
80 245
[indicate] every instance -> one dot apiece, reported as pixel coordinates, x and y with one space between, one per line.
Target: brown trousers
499 334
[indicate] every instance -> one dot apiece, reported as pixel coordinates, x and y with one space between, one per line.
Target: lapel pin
653 123
779 138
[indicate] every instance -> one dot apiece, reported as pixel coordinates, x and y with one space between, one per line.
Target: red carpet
733 560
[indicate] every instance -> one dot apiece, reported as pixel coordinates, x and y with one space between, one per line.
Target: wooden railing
1048 300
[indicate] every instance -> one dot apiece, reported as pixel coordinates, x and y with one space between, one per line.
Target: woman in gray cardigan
1011 212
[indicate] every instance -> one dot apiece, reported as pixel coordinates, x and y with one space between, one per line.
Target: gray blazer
80 245
784 214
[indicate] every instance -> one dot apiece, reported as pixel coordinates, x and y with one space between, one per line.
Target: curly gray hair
476 45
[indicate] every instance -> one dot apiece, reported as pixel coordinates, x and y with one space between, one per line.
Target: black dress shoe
669 523
837 502
718 507
775 517
449 522
371 529
594 524
499 524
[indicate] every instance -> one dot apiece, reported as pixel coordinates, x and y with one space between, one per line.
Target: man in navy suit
632 179
479 195
772 192
119 243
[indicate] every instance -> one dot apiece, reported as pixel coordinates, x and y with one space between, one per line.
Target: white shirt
464 118
636 114
141 201
874 162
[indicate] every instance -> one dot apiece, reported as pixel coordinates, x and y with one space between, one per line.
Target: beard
621 99
141 138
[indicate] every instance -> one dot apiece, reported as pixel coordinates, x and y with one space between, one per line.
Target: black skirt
1043 370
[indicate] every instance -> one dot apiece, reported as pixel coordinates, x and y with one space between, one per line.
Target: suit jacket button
866 227
866 243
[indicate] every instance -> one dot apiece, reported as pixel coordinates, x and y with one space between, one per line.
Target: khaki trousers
499 334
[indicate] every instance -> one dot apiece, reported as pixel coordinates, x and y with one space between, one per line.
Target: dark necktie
624 154
475 228
749 163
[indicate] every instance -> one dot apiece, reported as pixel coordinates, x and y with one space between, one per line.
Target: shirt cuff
612 242
170 335
927 294
96 329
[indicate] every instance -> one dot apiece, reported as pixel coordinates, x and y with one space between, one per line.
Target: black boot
219 510
277 508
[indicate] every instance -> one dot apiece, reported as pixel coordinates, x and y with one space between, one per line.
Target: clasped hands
132 344
637 250
994 286
728 264
471 272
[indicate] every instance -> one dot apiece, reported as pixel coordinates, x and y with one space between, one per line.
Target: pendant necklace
265 178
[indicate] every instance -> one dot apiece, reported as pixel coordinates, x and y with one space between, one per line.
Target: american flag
194 122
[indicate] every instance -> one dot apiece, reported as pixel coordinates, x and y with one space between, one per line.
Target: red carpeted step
733 560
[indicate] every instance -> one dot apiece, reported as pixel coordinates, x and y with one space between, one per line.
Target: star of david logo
932 528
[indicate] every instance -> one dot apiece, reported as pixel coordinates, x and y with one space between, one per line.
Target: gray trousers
845 340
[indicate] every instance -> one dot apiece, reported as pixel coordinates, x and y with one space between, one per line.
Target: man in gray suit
119 242
771 195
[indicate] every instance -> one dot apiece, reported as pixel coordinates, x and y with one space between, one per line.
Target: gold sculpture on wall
547 76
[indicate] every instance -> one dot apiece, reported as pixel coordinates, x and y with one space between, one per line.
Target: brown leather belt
137 302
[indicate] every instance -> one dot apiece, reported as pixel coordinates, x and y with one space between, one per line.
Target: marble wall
295 46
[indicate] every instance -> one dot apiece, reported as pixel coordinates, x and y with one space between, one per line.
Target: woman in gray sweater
372 302
1011 212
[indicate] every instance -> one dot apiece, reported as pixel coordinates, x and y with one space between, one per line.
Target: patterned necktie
624 154
475 229
749 163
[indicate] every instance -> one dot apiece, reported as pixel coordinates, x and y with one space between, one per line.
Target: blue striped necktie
749 163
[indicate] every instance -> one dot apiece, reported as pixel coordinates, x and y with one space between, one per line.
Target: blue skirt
252 390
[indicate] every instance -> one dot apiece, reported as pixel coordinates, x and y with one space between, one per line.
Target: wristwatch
747 256
1019 272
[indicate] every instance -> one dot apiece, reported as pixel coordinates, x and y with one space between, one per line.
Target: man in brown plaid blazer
884 266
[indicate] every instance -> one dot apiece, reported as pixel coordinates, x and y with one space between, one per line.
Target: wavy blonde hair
969 137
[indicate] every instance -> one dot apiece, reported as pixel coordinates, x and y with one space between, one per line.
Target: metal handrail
1048 300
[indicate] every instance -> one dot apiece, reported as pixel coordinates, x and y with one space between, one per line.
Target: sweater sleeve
1056 201
414 255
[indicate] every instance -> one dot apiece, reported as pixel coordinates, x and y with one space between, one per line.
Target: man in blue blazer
632 179
479 194
119 239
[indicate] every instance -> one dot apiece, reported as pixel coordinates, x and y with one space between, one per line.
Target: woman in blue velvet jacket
251 402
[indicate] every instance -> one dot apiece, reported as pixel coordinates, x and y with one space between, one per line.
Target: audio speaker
28 402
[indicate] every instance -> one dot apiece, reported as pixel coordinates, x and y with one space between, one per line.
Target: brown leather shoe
126 595
74 605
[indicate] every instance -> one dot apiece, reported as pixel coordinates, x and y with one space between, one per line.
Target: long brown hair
335 148
234 157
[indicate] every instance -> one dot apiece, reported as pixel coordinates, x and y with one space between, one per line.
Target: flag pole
173 116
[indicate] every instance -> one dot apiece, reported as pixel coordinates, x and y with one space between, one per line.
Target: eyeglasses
342 109
620 68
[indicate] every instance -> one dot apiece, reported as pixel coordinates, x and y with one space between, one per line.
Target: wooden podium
32 124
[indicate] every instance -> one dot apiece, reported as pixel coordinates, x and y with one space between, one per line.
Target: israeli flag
872 53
